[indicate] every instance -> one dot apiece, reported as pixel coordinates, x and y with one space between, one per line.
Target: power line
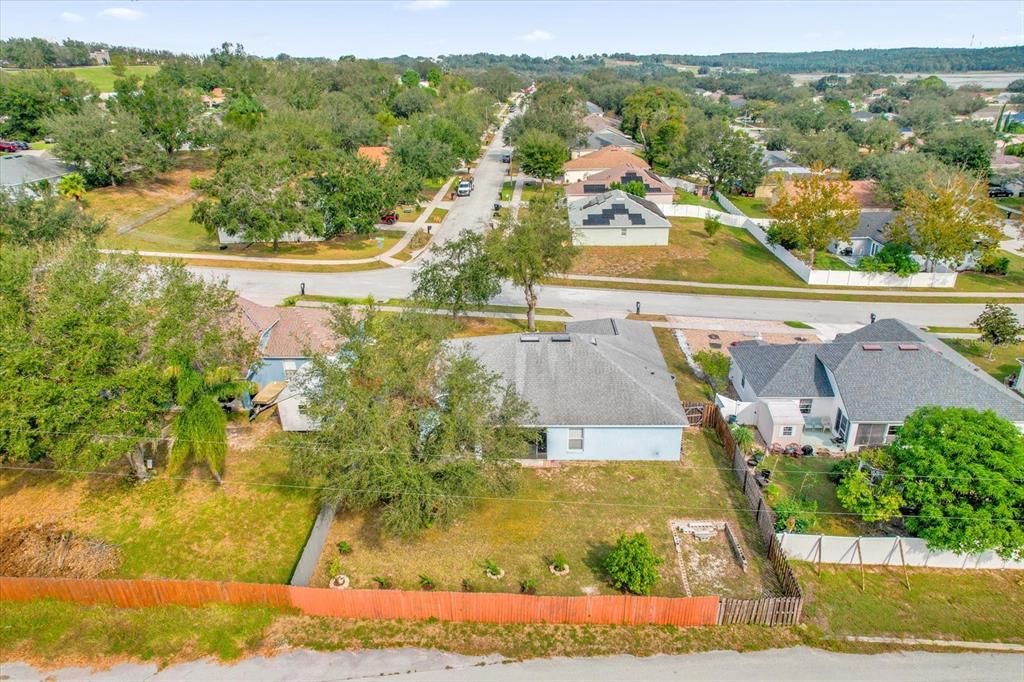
482 498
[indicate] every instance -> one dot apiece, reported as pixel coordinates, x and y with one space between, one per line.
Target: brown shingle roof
609 157
654 184
378 154
294 332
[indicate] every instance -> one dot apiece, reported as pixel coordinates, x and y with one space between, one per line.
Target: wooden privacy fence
480 607
785 610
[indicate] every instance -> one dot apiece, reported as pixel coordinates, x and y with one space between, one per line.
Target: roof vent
871 346
561 338
615 327
908 346
593 340
528 338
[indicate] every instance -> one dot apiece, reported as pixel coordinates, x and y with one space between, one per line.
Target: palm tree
743 436
72 186
199 426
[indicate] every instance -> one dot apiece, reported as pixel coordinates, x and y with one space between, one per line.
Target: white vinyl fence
885 551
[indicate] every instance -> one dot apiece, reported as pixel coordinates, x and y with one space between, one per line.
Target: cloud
536 36
422 5
71 17
122 13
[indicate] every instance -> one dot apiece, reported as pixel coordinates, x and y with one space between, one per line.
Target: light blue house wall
273 369
611 443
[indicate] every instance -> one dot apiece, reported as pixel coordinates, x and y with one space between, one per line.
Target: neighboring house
20 171
617 218
599 161
871 235
287 238
857 390
599 391
609 137
288 336
778 163
864 116
378 154
101 57
658 191
215 99
592 108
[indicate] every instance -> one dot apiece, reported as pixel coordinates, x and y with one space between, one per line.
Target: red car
6 146
389 218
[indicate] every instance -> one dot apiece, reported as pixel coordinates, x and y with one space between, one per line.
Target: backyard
1004 358
186 527
681 196
688 386
577 510
979 281
732 256
753 208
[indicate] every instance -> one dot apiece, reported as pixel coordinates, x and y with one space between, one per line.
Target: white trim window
787 431
289 369
575 441
805 405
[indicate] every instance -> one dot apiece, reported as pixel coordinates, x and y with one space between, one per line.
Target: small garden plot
577 511
710 557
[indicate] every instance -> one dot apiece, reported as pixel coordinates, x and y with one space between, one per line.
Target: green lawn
1004 358
190 528
531 189
688 386
345 300
754 208
732 256
507 188
1012 202
1011 281
826 261
40 145
807 477
100 77
940 604
429 188
437 215
797 324
681 196
577 510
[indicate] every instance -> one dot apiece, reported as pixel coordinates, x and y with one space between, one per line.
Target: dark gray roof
883 385
610 137
592 108
780 161
24 169
616 209
782 371
605 373
874 225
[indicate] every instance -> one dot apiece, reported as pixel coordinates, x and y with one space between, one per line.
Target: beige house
602 160
657 190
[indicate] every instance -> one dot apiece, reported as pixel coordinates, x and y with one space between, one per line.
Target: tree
412 101
417 149
108 148
459 276
968 147
529 249
411 78
874 502
634 187
72 186
893 257
879 135
166 112
960 470
728 158
896 173
352 193
25 220
28 99
945 221
829 148
999 326
541 154
712 225
410 425
714 364
434 77
824 210
632 564
244 111
199 427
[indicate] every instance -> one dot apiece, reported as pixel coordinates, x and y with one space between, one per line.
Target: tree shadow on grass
594 559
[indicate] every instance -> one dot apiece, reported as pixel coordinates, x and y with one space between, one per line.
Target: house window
871 434
302 409
890 433
289 369
575 439
787 430
805 405
623 232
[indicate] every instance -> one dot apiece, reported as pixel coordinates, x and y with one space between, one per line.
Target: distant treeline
38 53
900 60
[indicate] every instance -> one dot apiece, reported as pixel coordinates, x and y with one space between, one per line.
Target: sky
435 27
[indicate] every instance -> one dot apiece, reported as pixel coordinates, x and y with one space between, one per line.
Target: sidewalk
441 311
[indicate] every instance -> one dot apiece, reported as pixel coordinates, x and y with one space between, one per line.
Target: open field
577 510
181 528
732 256
1004 358
100 77
754 208
940 604
808 477
430 188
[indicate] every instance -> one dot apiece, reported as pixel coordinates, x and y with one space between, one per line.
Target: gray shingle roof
606 374
23 169
616 209
884 385
873 225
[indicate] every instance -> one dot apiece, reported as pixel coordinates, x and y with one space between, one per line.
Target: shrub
893 257
841 468
344 547
559 562
771 493
991 263
632 565
491 568
794 515
468 586
712 225
383 582
714 364
528 586
427 583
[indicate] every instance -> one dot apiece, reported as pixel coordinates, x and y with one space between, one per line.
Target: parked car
999 192
6 146
21 144
506 158
465 187
389 218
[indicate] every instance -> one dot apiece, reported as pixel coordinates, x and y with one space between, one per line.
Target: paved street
781 665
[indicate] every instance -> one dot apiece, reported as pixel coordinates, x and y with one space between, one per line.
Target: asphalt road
474 213
781 665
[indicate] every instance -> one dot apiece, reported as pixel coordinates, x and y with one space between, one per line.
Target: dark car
506 158
6 146
21 144
999 192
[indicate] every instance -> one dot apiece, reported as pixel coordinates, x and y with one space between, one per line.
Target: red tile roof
608 157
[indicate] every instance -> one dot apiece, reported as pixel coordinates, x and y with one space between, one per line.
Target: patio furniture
776 448
807 450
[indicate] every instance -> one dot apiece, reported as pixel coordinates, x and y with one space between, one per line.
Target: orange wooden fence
482 607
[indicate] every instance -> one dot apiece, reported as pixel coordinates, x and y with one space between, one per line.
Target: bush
344 548
632 565
383 582
712 225
468 586
895 258
559 562
335 567
714 364
528 586
841 468
490 568
991 263
776 236
427 583
795 515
